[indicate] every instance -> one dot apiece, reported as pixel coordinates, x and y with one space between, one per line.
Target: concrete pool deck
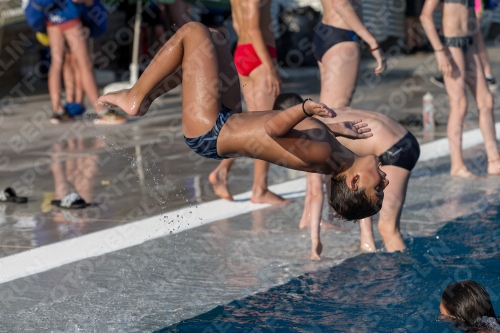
125 172
162 281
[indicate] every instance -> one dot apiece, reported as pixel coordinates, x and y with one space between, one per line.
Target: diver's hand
352 129
318 109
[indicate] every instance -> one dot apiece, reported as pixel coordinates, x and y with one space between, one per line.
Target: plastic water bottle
428 110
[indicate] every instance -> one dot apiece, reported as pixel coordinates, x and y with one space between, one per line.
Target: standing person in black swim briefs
398 151
337 50
458 60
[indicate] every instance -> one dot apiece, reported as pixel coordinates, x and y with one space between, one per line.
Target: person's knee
459 103
316 194
193 27
56 66
74 62
485 103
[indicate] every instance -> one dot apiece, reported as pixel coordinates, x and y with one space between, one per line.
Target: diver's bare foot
463 173
494 167
122 99
218 179
268 197
316 250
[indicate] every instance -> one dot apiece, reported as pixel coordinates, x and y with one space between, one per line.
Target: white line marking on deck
112 239
441 148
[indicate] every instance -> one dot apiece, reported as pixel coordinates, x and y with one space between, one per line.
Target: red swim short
246 59
65 25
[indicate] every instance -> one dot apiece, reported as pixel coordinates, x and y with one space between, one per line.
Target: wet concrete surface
144 168
163 281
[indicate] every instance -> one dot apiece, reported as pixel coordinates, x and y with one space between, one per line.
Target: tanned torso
317 143
240 14
330 16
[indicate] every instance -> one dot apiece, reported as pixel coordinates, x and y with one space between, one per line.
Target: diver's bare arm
284 121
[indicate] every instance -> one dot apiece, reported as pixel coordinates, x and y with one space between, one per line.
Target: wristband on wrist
374 49
440 50
303 108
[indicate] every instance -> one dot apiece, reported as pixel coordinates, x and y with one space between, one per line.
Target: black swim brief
460 42
326 36
403 154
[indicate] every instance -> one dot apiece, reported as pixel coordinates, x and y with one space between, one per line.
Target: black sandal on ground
71 201
9 195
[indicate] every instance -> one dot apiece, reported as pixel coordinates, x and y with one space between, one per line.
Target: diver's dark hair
286 101
351 205
468 302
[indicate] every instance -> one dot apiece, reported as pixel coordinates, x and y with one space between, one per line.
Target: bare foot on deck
218 179
316 250
367 247
395 243
463 173
268 197
494 167
122 99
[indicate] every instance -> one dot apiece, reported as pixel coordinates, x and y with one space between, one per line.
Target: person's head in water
357 192
468 304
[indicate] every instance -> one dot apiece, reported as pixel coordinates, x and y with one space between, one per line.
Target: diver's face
372 178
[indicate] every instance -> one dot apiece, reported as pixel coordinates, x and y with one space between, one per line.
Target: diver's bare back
309 146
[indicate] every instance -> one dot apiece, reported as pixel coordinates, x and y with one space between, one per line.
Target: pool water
379 292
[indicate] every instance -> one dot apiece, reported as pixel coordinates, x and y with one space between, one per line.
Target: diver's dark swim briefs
206 145
403 154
